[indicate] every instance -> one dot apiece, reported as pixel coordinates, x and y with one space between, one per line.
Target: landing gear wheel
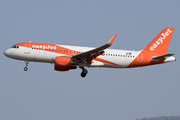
25 68
84 72
83 75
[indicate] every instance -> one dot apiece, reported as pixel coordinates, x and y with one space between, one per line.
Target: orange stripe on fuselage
143 59
105 61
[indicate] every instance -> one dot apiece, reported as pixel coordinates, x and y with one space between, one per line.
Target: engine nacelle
62 63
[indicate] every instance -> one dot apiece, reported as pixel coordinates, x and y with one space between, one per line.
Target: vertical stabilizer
158 47
160 44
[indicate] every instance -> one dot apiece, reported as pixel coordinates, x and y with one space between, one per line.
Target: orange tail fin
160 44
157 48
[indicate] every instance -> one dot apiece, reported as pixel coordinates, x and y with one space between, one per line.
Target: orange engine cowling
62 63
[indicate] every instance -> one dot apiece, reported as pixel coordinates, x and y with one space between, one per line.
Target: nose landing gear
25 68
84 72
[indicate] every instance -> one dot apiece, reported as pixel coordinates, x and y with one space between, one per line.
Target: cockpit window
15 47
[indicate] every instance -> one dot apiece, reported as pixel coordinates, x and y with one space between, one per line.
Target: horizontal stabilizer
162 57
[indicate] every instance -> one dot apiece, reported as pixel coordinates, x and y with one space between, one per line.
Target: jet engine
63 64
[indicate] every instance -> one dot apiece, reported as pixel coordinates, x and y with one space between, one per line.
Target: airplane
65 57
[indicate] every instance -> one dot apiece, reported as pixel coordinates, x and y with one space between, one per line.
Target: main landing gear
84 72
25 68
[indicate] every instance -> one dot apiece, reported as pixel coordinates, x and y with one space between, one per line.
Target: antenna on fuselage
29 41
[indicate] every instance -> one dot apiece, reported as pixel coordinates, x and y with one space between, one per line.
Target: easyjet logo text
44 46
160 40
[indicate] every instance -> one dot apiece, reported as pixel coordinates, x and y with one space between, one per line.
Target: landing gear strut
25 68
84 72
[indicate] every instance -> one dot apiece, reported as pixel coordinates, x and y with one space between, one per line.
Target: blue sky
125 94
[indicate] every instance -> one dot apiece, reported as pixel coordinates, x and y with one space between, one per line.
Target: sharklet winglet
112 40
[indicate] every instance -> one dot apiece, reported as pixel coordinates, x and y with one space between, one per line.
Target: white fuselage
122 58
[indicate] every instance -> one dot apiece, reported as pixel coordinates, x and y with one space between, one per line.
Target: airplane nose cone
6 53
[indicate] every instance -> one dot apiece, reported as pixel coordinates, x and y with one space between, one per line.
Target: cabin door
140 58
27 49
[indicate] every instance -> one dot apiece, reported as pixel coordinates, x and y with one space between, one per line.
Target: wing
88 56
